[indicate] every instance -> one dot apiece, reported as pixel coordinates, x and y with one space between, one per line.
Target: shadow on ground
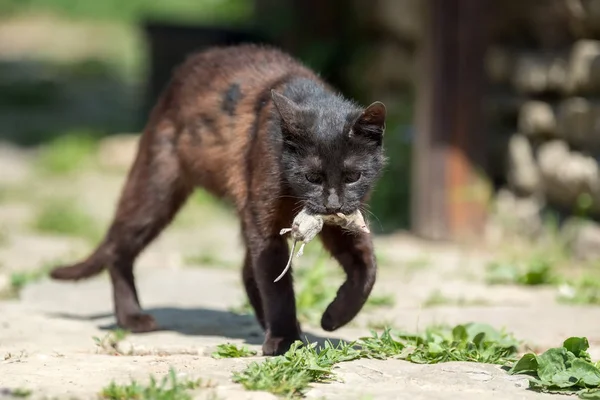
201 322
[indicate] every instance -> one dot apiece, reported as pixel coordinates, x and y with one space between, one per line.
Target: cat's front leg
354 252
269 256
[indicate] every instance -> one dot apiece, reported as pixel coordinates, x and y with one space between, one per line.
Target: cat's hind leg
252 290
153 193
354 252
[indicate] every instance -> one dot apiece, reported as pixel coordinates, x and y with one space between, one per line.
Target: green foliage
381 300
206 258
470 342
381 346
567 369
20 393
230 350
137 10
437 298
315 289
585 290
291 374
170 388
20 279
390 201
110 342
62 217
67 153
537 270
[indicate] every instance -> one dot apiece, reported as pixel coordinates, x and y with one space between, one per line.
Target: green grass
566 370
532 271
376 300
585 290
137 10
230 350
169 388
110 342
67 154
20 393
390 202
471 342
315 288
206 258
437 298
380 324
63 217
314 291
291 374
20 279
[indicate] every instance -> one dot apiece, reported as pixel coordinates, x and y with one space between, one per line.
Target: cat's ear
371 122
289 111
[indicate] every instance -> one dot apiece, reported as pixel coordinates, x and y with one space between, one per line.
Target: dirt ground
189 280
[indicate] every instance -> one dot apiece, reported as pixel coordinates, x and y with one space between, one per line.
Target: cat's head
332 151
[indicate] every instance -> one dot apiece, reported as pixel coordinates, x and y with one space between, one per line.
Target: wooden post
449 198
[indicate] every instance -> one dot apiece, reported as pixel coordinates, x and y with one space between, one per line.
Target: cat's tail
92 266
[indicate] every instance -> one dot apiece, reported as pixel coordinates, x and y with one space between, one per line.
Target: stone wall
543 108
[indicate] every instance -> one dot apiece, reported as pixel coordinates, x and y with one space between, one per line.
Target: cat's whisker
366 210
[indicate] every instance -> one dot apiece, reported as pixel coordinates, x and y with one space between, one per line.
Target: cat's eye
352 177
315 179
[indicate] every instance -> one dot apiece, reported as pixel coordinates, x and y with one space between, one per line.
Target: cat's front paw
275 346
139 323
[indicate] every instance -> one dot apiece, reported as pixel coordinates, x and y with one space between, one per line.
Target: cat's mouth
322 210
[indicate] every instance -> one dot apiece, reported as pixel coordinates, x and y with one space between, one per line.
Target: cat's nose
333 204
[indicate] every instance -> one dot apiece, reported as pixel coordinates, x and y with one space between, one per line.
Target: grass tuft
169 388
61 217
291 374
230 350
67 154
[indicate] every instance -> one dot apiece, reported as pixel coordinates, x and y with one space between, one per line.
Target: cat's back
221 98
231 74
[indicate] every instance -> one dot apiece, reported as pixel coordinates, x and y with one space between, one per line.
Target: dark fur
251 125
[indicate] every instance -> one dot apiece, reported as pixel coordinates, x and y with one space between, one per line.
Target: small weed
67 154
110 342
20 393
230 350
566 370
380 325
314 291
469 342
10 357
437 298
201 197
535 271
381 347
20 279
64 218
291 374
206 259
381 300
586 290
244 308
170 388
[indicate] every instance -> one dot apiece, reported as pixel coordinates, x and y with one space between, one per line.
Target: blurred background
493 131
